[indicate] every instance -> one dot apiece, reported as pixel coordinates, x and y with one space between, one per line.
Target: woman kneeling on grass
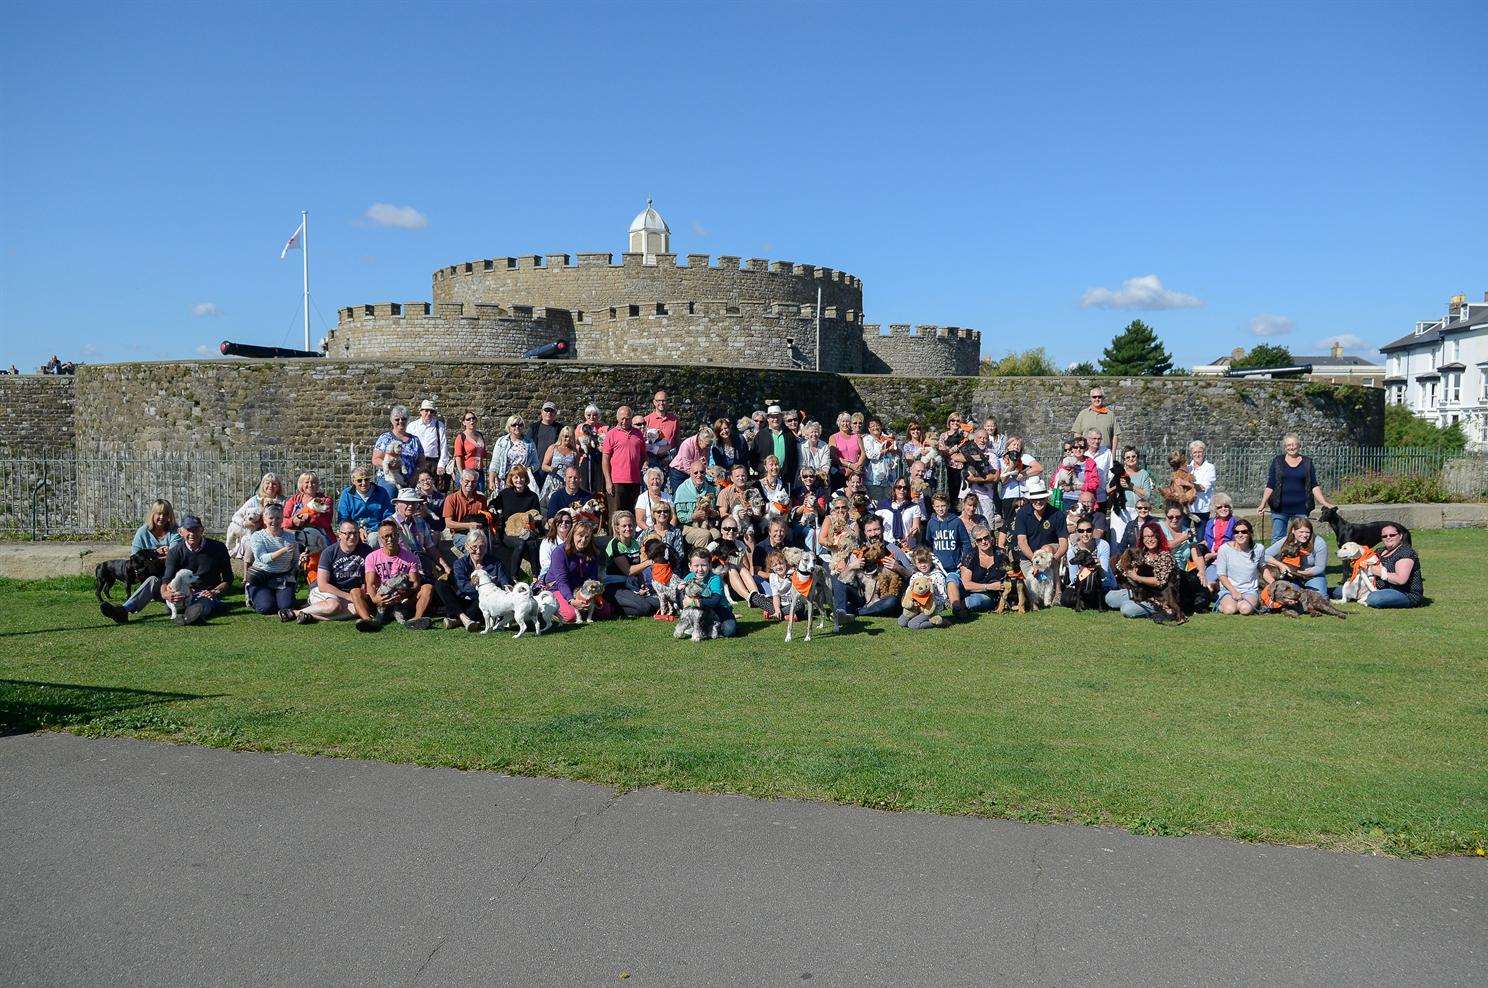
1238 569
573 564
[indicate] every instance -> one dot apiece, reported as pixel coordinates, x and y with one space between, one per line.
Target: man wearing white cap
414 531
1038 524
774 439
432 439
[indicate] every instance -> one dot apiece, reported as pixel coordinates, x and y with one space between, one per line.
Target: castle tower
649 234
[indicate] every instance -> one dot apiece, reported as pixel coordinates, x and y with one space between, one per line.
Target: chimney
1336 350
1456 305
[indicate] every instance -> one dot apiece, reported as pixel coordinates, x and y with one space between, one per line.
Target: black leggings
520 548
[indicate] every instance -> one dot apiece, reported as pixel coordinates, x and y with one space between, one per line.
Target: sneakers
418 624
758 601
475 627
193 614
114 612
368 625
961 613
450 624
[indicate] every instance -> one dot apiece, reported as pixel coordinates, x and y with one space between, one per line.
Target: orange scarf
1101 409
801 584
1368 556
661 573
922 600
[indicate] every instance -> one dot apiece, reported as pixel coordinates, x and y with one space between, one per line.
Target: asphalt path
129 862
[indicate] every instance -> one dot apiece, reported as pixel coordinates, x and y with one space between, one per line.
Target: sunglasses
1084 531
729 528
983 538
1174 517
470 418
1242 531
564 521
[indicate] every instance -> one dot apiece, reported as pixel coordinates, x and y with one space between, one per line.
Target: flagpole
305 251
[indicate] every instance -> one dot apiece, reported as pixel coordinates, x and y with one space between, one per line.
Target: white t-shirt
431 437
643 508
1014 487
1204 479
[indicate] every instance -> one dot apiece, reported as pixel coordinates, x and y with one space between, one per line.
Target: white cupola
649 234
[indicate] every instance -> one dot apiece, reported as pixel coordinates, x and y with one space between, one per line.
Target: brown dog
1164 596
1294 601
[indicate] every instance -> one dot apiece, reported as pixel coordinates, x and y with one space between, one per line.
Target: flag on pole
294 240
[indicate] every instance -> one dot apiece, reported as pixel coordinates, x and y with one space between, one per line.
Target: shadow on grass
28 705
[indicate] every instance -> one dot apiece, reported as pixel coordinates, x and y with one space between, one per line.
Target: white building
1335 367
1440 371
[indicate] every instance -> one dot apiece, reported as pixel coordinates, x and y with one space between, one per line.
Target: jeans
980 601
149 590
270 593
724 616
1318 583
674 480
1120 600
630 603
1389 597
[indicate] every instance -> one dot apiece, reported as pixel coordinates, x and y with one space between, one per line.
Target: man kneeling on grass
339 592
207 560
393 584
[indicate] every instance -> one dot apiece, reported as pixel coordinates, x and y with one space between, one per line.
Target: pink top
687 455
627 452
386 567
664 424
849 448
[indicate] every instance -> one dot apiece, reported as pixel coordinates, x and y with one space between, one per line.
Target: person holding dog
393 585
1300 557
301 510
521 541
208 561
410 452
573 564
1038 524
700 570
1292 488
460 596
1398 570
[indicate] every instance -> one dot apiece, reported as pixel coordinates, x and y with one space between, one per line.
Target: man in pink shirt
663 421
623 454
393 584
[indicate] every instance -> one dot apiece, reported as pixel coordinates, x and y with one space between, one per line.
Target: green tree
1264 355
1136 351
1083 369
1403 428
1028 363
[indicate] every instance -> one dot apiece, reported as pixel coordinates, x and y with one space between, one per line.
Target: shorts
953 576
343 606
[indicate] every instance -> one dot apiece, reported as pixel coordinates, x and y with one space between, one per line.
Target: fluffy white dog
496 605
1039 575
524 608
547 609
181 584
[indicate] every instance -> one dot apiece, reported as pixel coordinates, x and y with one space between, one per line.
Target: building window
1454 387
1431 394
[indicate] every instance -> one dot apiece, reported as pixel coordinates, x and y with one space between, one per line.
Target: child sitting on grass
925 594
700 566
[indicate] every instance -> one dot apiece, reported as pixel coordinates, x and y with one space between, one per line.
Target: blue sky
1322 165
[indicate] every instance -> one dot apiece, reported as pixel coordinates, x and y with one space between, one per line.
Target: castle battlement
723 262
907 331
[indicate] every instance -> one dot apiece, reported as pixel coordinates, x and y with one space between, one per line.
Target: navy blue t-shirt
1047 530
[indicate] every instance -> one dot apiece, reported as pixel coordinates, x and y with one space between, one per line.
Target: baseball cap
191 523
548 406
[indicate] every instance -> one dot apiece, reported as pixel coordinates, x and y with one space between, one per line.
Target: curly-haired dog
1164 595
1293 601
135 569
1039 575
882 581
694 620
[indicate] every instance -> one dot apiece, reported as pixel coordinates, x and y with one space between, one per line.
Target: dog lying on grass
1294 601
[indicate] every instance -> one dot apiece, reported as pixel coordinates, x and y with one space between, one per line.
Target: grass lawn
1370 733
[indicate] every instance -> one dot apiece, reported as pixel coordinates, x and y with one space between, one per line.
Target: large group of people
927 528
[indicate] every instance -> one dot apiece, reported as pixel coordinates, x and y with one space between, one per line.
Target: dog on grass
1294 601
693 620
495 603
1014 590
524 608
181 584
135 569
1359 584
1039 576
547 609
811 584
1366 533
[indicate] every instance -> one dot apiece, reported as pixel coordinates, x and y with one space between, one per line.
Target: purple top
568 573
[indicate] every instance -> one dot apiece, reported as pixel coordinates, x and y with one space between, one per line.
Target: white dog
181 584
1039 575
547 609
392 466
524 608
1360 584
496 605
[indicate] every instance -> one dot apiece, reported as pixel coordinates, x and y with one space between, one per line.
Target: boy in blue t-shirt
948 539
700 566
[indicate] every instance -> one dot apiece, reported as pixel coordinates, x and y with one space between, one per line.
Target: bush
1402 428
1390 488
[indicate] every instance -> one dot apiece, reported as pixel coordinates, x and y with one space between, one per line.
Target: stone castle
650 308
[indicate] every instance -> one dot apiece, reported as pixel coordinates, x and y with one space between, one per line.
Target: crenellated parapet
921 351
424 330
586 282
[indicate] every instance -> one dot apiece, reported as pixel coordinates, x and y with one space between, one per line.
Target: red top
664 424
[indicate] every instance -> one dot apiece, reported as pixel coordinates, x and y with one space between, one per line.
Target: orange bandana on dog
922 600
1365 558
801 584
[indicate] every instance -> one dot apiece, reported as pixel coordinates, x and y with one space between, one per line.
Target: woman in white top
1204 480
1238 566
654 494
815 452
512 450
881 454
1015 467
270 488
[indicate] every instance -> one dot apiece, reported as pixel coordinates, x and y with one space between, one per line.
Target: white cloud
398 217
699 229
1268 325
1346 340
204 309
208 351
90 349
1145 292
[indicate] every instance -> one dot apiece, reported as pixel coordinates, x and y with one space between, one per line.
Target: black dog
135 569
1365 533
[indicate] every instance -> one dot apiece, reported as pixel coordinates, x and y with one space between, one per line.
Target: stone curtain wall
595 282
318 405
420 331
1151 413
38 412
750 334
921 351
324 404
